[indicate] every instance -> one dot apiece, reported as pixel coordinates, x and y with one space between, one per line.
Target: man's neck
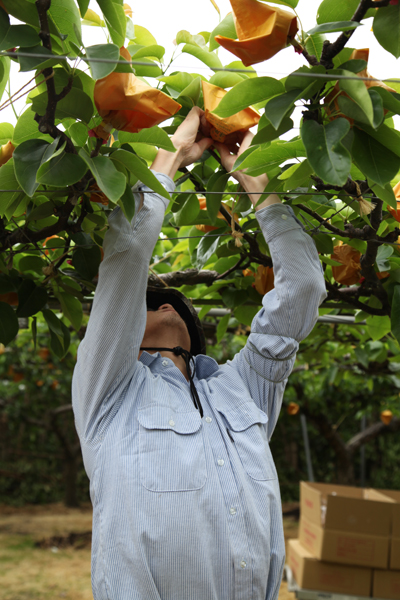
177 360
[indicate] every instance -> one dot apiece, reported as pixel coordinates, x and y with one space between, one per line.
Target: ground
45 552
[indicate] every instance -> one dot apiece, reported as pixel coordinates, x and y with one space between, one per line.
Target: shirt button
164 363
232 511
284 217
208 419
243 564
172 423
220 462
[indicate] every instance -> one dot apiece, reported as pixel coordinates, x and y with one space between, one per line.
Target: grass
31 573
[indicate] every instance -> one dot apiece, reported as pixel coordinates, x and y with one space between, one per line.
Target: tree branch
371 433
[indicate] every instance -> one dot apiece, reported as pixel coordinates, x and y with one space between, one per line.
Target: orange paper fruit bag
396 213
262 30
349 271
128 104
220 128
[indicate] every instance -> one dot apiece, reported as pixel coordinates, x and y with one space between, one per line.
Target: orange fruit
293 408
386 416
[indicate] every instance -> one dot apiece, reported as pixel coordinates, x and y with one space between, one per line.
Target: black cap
157 296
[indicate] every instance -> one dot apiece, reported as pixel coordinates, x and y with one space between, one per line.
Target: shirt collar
205 366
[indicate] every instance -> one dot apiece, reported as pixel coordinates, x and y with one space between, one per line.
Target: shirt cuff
165 180
276 219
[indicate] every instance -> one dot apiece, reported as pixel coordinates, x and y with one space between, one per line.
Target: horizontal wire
189 192
327 76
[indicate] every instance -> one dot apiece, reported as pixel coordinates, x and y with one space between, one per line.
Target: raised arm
290 310
107 356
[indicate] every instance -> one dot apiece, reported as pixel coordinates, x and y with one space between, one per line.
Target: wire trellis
47 57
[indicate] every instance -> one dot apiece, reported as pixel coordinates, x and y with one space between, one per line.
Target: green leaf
191 94
127 203
79 133
216 183
184 37
65 169
6 132
358 92
246 93
154 136
41 212
8 324
102 51
8 181
335 26
83 6
390 100
30 63
109 180
376 161
332 10
23 10
72 309
225 28
76 105
87 261
189 210
143 37
153 51
323 243
208 58
269 133
388 137
386 28
66 18
328 157
28 157
26 128
224 79
352 110
279 107
291 3
5 63
395 322
114 16
314 44
31 298
297 175
378 327
207 246
20 35
277 152
136 166
177 82
384 193
233 298
246 314
151 69
353 65
222 327
59 334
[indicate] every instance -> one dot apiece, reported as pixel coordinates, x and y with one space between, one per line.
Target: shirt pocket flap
243 416
161 417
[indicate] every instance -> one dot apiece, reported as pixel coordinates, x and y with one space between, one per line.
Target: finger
205 144
225 155
247 139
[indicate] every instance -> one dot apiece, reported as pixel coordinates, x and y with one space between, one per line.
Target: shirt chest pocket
246 426
171 446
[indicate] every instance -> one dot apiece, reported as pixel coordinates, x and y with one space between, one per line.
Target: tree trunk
70 481
345 469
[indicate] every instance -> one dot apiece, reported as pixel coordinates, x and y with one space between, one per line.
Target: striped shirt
184 507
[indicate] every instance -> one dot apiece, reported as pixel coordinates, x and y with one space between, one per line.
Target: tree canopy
70 160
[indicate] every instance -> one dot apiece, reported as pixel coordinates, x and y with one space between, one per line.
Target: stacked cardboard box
349 538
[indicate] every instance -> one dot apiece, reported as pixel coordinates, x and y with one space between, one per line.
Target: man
185 495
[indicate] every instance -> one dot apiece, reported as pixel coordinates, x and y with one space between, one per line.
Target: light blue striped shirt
186 508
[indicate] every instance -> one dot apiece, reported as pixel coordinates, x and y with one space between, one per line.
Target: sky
165 19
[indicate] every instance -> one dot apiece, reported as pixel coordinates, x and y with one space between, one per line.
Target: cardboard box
386 584
393 497
312 574
346 525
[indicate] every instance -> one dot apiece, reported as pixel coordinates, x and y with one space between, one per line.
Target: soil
45 551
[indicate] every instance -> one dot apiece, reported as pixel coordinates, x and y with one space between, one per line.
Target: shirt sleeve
288 313
107 356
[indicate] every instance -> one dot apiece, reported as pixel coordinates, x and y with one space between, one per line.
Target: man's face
165 320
